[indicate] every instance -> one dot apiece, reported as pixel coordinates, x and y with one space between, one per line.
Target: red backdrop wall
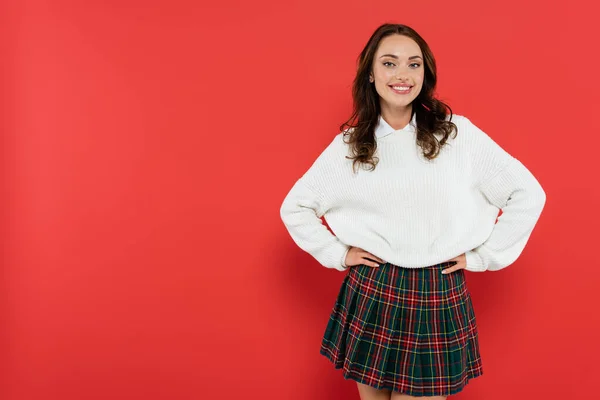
146 149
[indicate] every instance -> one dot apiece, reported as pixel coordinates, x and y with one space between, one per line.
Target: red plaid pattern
411 330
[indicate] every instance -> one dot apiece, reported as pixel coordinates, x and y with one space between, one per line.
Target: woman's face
398 62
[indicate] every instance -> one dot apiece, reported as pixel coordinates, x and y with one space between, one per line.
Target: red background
146 149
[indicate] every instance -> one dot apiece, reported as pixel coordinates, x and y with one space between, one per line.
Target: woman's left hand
461 263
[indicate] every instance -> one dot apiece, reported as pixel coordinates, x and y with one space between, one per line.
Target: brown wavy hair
430 112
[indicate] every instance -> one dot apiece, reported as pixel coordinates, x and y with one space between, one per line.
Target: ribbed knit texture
413 212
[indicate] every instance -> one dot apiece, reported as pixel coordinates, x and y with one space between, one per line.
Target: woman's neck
397 118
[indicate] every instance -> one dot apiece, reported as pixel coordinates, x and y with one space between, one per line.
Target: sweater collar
383 128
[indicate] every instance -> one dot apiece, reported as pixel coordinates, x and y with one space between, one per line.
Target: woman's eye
416 65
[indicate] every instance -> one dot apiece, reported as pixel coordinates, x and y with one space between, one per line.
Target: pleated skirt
410 330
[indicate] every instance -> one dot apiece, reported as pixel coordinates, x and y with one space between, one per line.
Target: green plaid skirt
410 330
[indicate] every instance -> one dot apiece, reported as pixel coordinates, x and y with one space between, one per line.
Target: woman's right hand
357 256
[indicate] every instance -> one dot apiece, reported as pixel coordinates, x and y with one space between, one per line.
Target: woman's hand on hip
357 256
461 263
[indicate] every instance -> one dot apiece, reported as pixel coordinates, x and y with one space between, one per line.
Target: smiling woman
395 72
396 80
419 211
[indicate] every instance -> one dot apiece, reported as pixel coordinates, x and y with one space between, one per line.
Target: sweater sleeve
306 203
301 213
507 184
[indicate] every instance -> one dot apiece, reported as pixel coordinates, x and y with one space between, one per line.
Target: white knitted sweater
412 212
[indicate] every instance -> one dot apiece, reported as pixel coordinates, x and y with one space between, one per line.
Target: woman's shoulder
457 119
334 151
473 137
465 126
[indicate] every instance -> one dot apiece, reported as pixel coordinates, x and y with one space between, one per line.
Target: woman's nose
401 75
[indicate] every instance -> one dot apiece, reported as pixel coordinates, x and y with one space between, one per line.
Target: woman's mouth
401 89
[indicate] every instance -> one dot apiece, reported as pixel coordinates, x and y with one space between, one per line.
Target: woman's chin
399 104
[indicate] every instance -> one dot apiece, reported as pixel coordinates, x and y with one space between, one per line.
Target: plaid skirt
410 330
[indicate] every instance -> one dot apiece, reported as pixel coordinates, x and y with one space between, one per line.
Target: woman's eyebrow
396 57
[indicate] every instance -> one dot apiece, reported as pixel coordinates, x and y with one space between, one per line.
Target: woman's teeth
401 89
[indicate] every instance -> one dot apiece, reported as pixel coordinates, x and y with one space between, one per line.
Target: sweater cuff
343 266
474 262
